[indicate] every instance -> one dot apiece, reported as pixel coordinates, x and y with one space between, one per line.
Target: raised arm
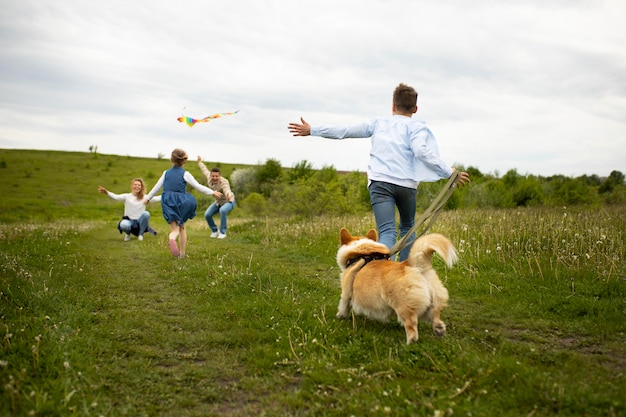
203 168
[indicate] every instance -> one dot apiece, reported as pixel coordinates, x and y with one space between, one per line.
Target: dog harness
368 258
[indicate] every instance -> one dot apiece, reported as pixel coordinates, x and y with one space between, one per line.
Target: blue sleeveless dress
176 203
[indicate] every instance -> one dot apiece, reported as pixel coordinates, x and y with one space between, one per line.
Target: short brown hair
405 98
179 157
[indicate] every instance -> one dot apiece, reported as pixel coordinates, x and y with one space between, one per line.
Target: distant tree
568 191
528 192
268 175
593 180
270 171
300 170
315 196
327 174
511 178
497 194
254 204
474 173
616 178
244 181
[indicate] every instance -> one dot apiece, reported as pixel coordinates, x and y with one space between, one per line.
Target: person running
403 153
177 204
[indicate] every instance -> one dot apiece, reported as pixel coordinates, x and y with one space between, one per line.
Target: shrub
254 204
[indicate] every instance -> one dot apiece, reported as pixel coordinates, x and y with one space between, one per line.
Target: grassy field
94 326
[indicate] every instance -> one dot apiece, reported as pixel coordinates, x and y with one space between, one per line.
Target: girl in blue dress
177 204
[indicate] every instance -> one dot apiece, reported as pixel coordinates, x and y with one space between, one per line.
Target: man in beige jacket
222 205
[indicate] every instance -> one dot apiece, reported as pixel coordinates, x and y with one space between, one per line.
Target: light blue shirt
403 150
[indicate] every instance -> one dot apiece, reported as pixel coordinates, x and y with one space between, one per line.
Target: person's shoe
174 248
221 236
214 234
126 237
140 237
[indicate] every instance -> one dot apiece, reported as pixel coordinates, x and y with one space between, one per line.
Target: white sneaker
214 234
140 237
221 236
126 237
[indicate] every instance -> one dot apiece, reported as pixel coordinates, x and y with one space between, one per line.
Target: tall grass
245 326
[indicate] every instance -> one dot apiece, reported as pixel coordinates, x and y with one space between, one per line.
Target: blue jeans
136 227
385 197
223 210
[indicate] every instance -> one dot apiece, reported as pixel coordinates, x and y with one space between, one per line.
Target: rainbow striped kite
191 121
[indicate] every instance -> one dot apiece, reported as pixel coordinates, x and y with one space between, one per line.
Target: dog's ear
344 236
372 235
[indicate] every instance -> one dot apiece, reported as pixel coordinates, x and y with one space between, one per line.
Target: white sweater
133 208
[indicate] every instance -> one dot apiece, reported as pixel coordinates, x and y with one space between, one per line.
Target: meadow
95 326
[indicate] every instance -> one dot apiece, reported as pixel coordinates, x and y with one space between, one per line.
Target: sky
538 86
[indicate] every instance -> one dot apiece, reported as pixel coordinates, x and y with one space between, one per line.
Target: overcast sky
538 86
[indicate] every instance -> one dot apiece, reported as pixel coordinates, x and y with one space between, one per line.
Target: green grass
92 325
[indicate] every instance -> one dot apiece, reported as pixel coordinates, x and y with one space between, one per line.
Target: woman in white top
136 218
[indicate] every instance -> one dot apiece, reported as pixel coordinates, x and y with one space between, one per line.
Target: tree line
270 189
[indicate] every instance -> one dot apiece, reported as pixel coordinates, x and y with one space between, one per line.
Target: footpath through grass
94 326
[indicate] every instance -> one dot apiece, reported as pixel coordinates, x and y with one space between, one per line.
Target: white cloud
536 86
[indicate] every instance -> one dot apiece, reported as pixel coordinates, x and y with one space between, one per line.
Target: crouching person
136 219
222 205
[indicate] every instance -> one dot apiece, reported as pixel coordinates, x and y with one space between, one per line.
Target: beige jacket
223 186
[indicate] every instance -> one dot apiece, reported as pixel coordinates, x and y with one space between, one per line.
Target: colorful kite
190 121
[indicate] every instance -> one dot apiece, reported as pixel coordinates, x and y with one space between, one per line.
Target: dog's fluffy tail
422 251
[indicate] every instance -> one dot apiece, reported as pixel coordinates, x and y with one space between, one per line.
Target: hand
464 178
218 194
199 158
298 129
102 190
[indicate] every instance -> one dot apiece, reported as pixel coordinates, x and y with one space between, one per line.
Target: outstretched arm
118 197
196 185
155 189
300 129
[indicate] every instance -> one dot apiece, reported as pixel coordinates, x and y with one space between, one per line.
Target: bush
254 205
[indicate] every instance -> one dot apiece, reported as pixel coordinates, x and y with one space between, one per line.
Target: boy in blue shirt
403 153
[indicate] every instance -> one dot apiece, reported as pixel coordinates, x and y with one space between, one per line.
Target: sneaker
221 236
140 237
126 237
214 234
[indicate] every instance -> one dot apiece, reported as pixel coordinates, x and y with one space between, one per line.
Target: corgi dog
376 287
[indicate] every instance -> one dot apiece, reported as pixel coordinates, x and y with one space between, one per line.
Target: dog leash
429 216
